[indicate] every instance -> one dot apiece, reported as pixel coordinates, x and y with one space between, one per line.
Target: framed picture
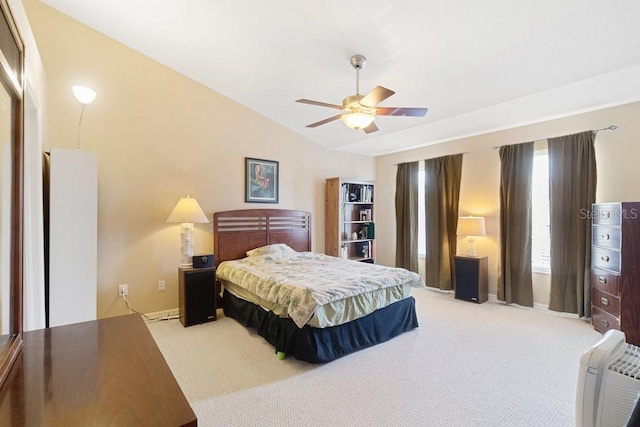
261 181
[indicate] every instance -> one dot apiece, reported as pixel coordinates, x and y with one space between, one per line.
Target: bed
320 334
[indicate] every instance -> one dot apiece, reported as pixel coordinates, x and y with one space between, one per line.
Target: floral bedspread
303 281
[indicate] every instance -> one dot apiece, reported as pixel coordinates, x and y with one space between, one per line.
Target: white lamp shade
188 210
357 120
84 95
471 226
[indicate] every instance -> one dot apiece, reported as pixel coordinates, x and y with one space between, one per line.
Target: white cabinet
72 236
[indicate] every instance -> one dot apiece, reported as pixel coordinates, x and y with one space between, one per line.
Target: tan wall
160 136
618 174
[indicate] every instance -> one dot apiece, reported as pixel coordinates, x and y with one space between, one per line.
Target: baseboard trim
163 314
536 306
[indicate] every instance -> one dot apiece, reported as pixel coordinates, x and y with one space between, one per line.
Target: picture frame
262 182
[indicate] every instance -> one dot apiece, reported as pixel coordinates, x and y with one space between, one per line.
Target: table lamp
471 226
187 212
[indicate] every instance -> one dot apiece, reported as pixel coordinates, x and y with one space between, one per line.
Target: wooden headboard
236 232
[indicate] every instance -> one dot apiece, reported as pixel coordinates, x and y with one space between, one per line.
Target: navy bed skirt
316 345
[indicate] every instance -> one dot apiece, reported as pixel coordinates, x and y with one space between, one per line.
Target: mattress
303 282
333 313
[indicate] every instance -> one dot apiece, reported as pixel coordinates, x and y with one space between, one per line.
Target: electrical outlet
123 290
161 286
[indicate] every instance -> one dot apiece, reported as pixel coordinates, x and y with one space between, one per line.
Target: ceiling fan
360 111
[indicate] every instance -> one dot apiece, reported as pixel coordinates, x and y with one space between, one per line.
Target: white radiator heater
608 382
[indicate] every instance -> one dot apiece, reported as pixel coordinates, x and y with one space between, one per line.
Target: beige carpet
466 365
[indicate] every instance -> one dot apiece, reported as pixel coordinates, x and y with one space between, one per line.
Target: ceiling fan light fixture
357 120
359 111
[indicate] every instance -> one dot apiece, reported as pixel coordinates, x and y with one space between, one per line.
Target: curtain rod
610 127
396 164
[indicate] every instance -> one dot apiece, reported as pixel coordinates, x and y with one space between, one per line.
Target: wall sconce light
85 96
187 212
471 226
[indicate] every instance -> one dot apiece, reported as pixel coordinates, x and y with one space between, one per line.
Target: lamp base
471 249
186 244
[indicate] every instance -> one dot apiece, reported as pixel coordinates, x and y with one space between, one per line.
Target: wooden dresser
615 268
106 372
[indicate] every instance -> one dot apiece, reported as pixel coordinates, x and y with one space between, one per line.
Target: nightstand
197 295
472 279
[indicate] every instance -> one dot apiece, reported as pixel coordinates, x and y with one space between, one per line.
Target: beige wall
160 136
618 174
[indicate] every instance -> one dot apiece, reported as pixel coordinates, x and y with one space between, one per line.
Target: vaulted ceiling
477 66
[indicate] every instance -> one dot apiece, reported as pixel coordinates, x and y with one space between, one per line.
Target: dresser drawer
605 281
605 302
603 321
605 236
607 213
609 259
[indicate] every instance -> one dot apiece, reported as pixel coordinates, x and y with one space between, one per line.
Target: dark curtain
441 192
407 216
572 191
514 280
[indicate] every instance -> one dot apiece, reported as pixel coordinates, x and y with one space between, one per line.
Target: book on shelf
368 195
359 193
371 230
365 193
367 231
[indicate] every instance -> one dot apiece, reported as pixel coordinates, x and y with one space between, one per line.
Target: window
540 229
422 239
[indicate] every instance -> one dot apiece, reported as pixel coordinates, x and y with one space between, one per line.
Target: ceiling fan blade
376 96
322 122
318 103
398 111
371 128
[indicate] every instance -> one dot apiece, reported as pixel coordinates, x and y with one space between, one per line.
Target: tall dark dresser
615 268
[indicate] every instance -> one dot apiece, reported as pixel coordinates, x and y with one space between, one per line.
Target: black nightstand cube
472 282
197 295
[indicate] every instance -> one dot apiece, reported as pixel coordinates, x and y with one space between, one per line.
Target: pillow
278 249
